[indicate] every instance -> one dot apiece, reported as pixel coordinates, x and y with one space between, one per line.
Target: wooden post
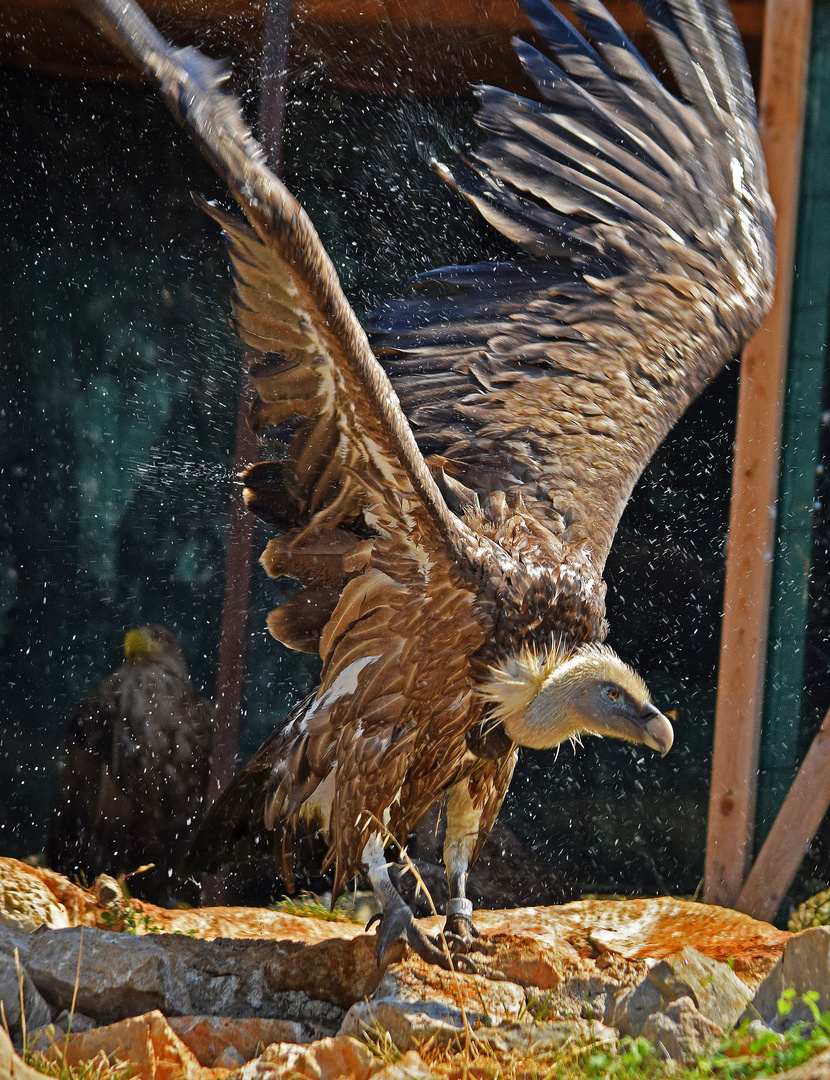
239 555
755 472
793 829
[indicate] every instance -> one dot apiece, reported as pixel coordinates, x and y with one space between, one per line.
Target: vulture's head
543 699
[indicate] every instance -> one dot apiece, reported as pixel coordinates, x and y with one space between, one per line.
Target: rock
631 1008
127 975
208 1037
804 966
121 975
230 1058
646 929
13 1067
340 971
75 1021
588 988
106 890
36 1011
410 1067
544 1039
147 1043
415 1002
25 901
328 1059
681 1031
528 962
714 991
42 1039
815 911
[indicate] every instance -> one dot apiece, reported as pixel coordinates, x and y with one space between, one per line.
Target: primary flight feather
448 487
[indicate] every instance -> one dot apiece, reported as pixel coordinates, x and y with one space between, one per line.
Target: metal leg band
460 906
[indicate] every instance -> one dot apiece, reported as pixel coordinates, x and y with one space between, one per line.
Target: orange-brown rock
340 971
336 1058
26 900
646 929
208 1037
528 962
410 1067
147 1043
13 1067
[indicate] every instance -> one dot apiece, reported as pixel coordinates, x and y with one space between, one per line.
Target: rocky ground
254 994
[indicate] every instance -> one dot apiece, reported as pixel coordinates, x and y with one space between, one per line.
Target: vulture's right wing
321 391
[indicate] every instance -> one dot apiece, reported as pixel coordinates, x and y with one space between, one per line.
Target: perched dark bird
135 770
447 491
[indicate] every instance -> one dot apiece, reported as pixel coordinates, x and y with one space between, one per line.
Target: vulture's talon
470 966
398 927
378 915
462 928
455 943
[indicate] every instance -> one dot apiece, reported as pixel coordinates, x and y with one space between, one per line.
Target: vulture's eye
613 693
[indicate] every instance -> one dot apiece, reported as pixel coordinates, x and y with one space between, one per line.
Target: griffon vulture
449 487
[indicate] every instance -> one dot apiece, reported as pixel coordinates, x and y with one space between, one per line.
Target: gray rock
44 1038
125 975
75 1021
412 1007
36 1011
804 966
14 937
120 975
633 1006
588 989
546 1037
715 991
714 988
681 1031
230 1058
296 1005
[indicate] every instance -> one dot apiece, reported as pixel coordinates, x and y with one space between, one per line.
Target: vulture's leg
397 923
460 839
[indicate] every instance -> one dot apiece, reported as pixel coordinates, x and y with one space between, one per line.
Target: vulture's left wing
644 228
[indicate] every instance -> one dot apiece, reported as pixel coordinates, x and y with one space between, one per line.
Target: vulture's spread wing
321 391
646 260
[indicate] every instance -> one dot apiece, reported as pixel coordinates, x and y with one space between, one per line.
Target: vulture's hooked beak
657 730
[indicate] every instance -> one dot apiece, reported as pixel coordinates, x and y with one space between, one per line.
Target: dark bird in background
448 489
135 770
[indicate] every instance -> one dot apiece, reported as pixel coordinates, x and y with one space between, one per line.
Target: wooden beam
426 47
793 829
504 17
755 472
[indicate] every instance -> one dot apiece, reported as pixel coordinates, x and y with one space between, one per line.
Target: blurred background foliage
118 406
